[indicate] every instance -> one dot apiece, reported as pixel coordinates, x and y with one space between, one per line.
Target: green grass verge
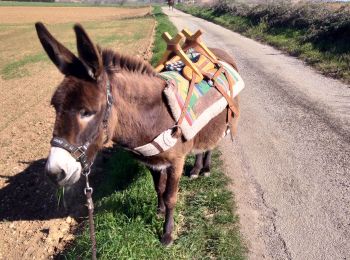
163 25
127 226
328 61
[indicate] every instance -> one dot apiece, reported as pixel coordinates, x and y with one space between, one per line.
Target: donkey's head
80 102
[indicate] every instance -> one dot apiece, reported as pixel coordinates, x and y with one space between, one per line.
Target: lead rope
88 190
90 205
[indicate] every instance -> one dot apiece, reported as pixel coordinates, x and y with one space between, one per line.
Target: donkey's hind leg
198 165
201 165
206 163
159 179
170 197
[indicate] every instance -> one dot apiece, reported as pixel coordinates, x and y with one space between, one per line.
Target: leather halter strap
109 102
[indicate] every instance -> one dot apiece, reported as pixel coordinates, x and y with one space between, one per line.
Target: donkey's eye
84 113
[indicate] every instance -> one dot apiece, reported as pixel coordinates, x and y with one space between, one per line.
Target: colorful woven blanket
206 101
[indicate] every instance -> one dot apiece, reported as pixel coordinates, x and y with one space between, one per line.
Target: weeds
163 25
17 69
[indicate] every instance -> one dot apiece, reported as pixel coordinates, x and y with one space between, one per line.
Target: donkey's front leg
170 197
159 179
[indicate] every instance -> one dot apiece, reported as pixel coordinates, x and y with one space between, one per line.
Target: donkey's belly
211 134
156 162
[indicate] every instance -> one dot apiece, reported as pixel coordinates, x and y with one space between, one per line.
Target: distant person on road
171 4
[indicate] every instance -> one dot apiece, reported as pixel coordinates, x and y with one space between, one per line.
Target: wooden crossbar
194 41
174 48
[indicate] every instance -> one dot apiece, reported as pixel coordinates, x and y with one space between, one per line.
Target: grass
163 25
330 59
17 68
127 226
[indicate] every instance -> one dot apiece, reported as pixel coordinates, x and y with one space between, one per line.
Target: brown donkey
108 94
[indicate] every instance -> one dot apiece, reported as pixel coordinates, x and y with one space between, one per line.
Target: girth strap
232 110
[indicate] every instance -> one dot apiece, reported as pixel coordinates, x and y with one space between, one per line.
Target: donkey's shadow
29 195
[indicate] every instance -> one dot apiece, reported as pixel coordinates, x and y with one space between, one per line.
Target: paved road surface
290 162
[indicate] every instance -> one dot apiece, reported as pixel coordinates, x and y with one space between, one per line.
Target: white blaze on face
60 159
83 123
84 120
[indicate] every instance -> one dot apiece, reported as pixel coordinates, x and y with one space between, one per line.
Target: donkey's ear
63 58
88 52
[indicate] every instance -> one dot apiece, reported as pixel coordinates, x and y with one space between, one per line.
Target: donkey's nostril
61 175
56 177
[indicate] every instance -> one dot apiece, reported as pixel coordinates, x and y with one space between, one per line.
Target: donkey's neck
140 111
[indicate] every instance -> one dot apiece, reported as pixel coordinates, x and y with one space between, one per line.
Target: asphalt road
290 162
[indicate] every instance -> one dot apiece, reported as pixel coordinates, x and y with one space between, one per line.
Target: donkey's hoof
206 174
194 173
194 176
166 240
160 213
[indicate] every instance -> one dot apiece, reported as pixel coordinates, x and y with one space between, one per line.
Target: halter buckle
81 150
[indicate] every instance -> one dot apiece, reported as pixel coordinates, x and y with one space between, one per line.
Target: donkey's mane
114 61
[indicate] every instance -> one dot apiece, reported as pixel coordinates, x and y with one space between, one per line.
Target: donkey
107 94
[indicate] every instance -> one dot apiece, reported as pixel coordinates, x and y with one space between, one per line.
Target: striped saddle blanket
206 101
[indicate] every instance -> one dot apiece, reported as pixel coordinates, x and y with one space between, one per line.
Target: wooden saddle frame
176 50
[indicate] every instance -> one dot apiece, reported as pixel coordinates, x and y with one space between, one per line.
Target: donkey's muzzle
62 168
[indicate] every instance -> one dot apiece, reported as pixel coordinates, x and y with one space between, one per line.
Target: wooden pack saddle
179 50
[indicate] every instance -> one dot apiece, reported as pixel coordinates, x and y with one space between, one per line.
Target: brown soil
29 14
31 225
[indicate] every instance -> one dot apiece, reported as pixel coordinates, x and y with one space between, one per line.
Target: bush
321 24
318 33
